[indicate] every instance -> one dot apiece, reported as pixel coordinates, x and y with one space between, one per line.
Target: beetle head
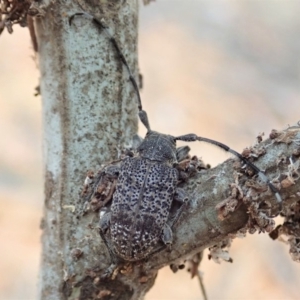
158 147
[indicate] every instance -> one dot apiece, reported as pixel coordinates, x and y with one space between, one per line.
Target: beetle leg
181 198
167 233
104 221
112 171
104 226
167 236
182 153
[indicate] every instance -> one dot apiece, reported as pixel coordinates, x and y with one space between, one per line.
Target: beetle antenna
193 137
142 114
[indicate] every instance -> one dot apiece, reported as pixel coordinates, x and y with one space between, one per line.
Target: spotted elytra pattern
141 206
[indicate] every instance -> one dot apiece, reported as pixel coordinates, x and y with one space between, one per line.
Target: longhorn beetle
139 216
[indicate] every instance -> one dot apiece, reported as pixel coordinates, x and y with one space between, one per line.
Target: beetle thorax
158 147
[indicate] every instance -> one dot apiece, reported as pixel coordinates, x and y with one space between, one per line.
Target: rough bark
90 112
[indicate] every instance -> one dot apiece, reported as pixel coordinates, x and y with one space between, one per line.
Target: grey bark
89 112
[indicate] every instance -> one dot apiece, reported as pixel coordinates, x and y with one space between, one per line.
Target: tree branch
226 202
213 191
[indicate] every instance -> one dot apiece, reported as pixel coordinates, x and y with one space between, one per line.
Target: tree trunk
90 112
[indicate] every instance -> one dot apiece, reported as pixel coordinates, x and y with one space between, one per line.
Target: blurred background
227 70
